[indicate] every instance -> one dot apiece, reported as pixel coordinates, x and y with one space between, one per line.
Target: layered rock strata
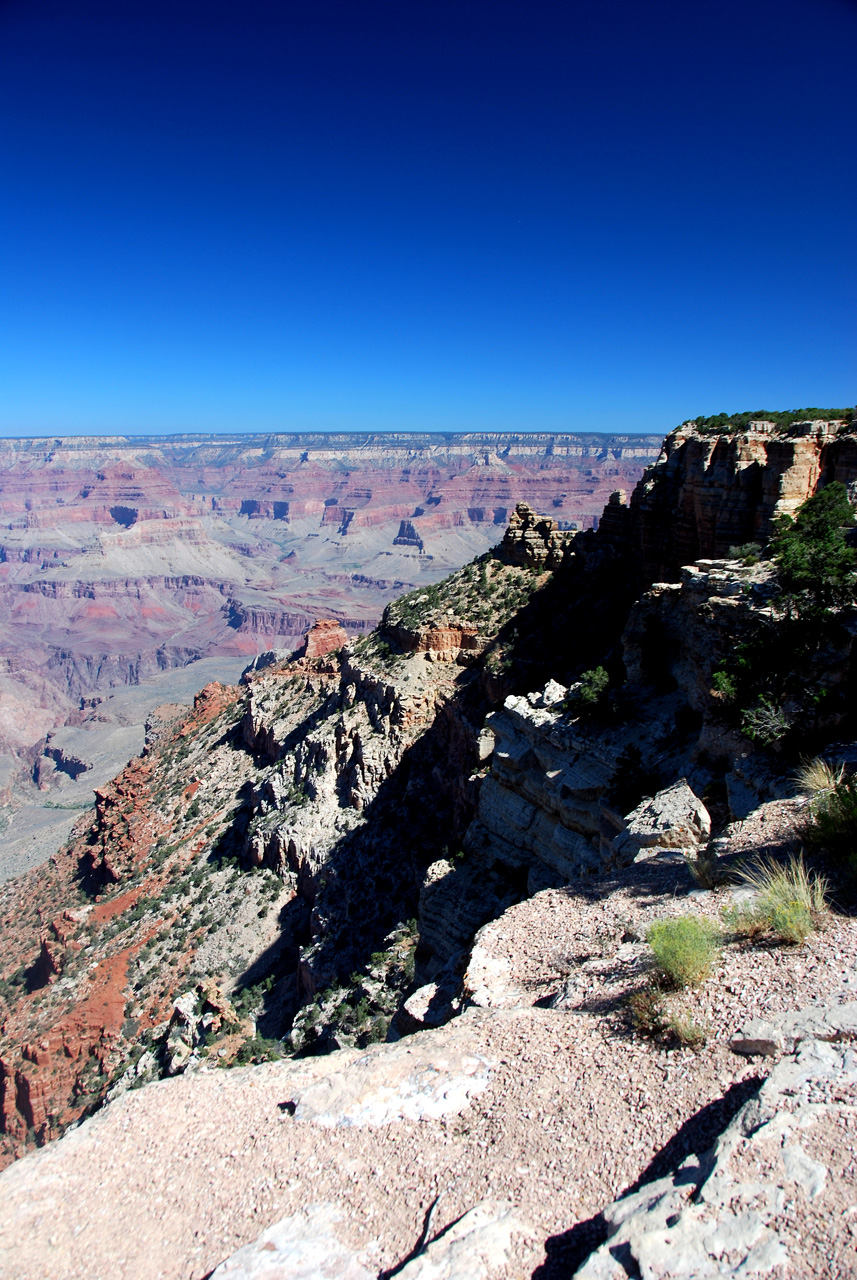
708 492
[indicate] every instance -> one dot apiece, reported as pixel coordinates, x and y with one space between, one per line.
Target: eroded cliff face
708 492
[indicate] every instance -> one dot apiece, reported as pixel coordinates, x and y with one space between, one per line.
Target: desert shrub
593 686
652 1016
689 1033
648 1010
791 902
814 561
749 553
832 827
588 693
766 722
708 870
684 948
257 1049
724 685
814 776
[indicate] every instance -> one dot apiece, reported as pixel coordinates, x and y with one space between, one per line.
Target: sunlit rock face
711 491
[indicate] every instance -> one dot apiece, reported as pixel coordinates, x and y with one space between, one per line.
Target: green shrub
587 694
814 561
832 827
648 1010
684 948
791 902
593 686
724 685
766 723
689 1033
749 553
652 1016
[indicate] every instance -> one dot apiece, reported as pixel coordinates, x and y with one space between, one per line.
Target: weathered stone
675 818
431 1005
726 1203
324 636
433 1074
785 1032
534 540
303 1246
475 1247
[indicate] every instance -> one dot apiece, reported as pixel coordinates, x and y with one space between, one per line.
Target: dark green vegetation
732 423
782 682
832 829
816 567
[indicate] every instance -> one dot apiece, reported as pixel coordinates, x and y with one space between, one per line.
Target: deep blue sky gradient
424 214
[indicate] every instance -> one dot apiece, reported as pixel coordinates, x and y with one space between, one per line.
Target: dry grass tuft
791 902
708 870
814 776
652 1015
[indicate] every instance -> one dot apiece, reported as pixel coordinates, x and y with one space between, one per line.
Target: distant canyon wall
121 556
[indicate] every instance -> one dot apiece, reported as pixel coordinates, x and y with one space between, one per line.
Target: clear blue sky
424 214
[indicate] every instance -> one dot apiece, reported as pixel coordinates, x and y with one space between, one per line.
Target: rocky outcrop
533 540
768 1198
304 1246
324 636
709 491
675 818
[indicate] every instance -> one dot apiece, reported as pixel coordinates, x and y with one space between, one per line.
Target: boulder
675 818
475 1247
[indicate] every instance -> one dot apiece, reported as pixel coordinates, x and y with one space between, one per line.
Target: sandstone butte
400 884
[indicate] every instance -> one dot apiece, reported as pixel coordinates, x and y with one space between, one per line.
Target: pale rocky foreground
528 1117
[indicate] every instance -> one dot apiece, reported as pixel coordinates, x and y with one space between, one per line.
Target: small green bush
593 686
689 1033
724 685
652 1016
648 1010
765 723
684 948
749 553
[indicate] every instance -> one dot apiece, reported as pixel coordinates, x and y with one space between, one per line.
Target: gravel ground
171 1179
